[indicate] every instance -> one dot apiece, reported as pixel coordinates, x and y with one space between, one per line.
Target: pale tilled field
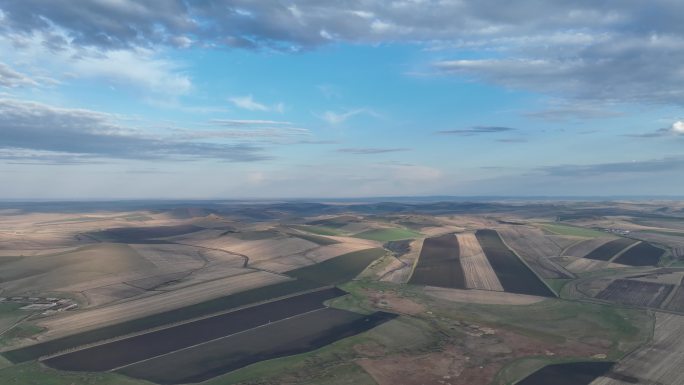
536 248
88 319
478 272
659 362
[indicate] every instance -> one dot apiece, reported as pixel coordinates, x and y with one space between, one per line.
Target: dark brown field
143 234
133 349
290 336
574 373
514 275
606 251
439 264
677 301
201 309
636 293
643 254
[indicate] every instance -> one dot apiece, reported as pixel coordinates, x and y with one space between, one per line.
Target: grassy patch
320 230
662 232
554 320
388 234
22 330
557 283
323 241
36 374
334 364
339 269
571 230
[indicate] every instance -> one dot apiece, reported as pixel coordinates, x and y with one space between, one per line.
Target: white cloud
11 78
678 127
333 117
138 68
248 103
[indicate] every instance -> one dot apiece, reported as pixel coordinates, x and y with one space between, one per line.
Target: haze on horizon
235 99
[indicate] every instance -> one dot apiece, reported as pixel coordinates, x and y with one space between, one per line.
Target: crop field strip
676 303
289 336
333 271
636 293
643 254
477 270
338 269
608 250
572 373
535 248
439 264
659 362
388 234
126 351
514 275
260 294
143 234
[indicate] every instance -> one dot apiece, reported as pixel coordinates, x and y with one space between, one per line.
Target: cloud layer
612 51
38 132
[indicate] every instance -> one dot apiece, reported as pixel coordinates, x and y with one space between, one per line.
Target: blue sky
239 99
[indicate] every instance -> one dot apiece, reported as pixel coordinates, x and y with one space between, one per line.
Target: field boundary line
528 266
178 323
415 263
614 257
217 339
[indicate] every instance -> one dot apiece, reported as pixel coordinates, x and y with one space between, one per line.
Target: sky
226 99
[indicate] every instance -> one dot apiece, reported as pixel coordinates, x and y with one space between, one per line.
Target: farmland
176 315
643 254
388 234
140 347
658 362
339 269
536 248
573 373
571 230
280 338
477 270
438 264
636 293
676 303
513 274
161 294
608 250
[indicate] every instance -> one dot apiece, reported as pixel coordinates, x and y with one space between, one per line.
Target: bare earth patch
482 296
391 301
472 358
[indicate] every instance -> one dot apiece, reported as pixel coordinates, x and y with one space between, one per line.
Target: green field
339 269
320 230
571 230
389 234
36 374
663 232
323 241
557 283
